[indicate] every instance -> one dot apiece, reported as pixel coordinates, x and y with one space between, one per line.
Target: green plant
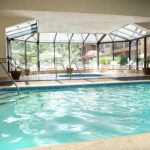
109 59
123 60
69 69
104 60
15 70
117 58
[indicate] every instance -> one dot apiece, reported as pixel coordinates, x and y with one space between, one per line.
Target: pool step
6 97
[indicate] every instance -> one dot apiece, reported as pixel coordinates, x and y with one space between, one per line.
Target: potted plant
146 69
26 71
69 69
16 73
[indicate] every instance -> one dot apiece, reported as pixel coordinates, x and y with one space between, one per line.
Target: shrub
123 60
104 60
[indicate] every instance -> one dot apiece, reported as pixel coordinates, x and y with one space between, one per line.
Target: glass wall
74 48
134 54
77 55
85 57
46 56
18 52
90 56
148 50
31 52
121 52
61 56
105 54
140 54
56 52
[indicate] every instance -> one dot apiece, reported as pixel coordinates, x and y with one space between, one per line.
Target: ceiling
77 22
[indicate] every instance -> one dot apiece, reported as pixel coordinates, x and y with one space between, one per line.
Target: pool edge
137 142
54 86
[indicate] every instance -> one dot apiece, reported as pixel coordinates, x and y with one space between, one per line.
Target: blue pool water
73 114
82 75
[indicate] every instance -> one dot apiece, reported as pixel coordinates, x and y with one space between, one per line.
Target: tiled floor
70 82
110 76
109 73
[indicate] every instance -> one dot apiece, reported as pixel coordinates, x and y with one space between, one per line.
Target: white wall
116 7
2 48
6 22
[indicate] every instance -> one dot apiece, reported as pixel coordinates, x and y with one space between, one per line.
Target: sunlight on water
45 117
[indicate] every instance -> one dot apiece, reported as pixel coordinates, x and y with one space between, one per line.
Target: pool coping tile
68 85
132 142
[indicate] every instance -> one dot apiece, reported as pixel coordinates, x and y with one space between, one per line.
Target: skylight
29 32
130 32
47 37
93 38
63 37
21 29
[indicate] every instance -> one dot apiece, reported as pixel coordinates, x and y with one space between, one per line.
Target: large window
46 56
61 56
76 55
90 56
134 53
141 54
121 52
31 52
105 53
55 51
148 50
18 52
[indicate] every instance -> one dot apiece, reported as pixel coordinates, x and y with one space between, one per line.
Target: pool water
57 116
82 75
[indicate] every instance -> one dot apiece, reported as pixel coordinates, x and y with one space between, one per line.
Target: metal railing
65 68
77 67
5 60
57 66
61 65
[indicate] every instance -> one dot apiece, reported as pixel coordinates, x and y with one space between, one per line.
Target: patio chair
141 64
114 65
130 64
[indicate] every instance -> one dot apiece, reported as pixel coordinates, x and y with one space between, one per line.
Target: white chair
114 65
130 64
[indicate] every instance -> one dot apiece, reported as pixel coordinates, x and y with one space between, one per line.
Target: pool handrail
77 68
5 60
61 65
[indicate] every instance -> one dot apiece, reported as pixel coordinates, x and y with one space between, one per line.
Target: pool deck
70 82
44 80
135 142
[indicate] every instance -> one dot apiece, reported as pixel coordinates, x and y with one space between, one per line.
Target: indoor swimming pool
58 115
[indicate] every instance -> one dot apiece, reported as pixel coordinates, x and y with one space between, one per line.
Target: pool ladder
77 67
65 68
56 68
5 60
